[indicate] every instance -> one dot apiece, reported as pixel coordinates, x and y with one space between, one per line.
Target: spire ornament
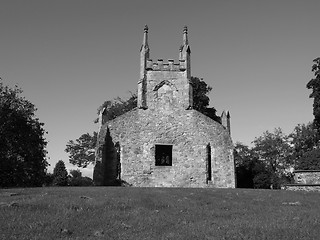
146 28
185 35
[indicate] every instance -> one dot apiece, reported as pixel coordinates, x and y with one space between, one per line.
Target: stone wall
188 131
306 180
202 149
301 187
307 177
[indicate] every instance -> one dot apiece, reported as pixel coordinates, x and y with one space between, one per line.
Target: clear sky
69 56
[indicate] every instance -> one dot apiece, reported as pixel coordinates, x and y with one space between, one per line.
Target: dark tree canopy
76 179
314 84
200 94
309 160
200 98
60 174
250 171
22 144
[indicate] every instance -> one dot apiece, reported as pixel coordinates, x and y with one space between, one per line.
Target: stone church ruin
164 142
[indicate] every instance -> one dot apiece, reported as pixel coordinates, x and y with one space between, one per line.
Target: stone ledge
302 171
302 187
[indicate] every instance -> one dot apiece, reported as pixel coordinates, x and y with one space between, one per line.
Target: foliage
22 153
269 163
200 98
304 138
48 179
75 173
76 179
309 160
262 180
243 163
82 150
314 84
275 151
117 107
250 171
153 213
200 94
60 174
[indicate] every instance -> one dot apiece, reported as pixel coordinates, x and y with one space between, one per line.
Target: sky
69 56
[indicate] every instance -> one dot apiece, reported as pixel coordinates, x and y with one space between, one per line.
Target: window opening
163 155
209 175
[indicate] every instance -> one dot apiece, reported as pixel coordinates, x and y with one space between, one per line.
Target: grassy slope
158 213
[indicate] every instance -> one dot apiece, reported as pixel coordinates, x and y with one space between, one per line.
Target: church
164 142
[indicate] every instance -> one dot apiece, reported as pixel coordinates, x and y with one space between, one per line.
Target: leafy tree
117 107
304 138
76 179
314 84
76 173
275 151
244 162
250 171
22 152
200 94
60 174
82 150
48 179
309 160
200 98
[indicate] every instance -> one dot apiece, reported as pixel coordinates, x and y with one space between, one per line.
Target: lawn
157 213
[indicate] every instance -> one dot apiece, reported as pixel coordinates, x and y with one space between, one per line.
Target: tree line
268 163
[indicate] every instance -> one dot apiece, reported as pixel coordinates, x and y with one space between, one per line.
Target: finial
185 35
185 29
146 28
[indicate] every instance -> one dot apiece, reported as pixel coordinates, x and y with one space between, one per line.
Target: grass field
157 213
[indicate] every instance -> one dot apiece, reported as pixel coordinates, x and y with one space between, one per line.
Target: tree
250 171
48 179
303 139
75 173
118 106
200 98
314 84
275 151
60 174
22 144
309 160
76 179
82 150
244 164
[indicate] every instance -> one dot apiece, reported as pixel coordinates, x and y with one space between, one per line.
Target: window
209 175
163 155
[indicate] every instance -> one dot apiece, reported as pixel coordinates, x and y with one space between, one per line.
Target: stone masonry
306 180
164 142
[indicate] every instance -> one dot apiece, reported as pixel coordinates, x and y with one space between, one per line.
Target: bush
76 179
48 180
